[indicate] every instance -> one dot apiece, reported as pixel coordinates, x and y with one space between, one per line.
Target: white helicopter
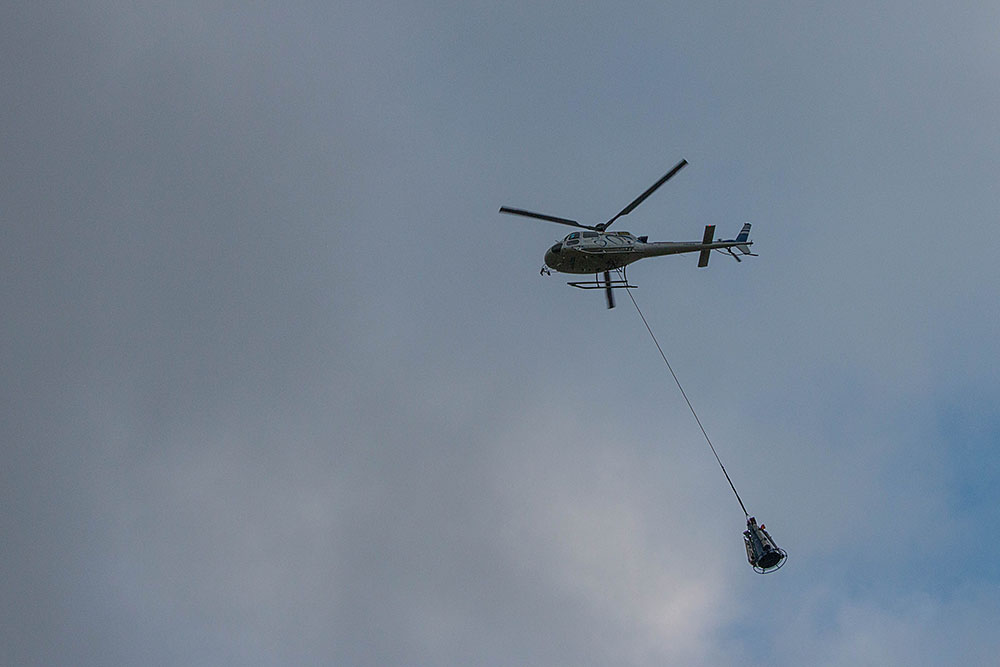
597 249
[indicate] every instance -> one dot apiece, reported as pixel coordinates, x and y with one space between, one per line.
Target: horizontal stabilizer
709 237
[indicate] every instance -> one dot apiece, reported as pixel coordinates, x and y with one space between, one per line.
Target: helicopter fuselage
593 252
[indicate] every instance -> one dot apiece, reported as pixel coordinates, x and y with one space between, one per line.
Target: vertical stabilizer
744 233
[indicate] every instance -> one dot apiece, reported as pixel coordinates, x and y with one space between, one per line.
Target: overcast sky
279 385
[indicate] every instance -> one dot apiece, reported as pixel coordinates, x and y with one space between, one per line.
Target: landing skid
601 283
606 284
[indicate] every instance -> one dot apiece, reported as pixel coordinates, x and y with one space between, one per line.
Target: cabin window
590 235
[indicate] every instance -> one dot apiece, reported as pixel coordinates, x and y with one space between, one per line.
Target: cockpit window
572 241
574 235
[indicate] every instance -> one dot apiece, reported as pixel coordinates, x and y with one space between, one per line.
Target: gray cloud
279 386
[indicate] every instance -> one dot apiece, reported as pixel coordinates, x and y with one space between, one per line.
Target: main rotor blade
607 288
641 198
540 216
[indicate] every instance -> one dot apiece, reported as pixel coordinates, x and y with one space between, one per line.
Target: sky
280 386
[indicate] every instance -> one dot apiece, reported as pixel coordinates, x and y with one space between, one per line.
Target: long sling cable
687 400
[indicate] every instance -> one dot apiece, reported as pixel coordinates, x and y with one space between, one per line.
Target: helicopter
597 250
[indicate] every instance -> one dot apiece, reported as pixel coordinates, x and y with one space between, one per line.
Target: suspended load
764 555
